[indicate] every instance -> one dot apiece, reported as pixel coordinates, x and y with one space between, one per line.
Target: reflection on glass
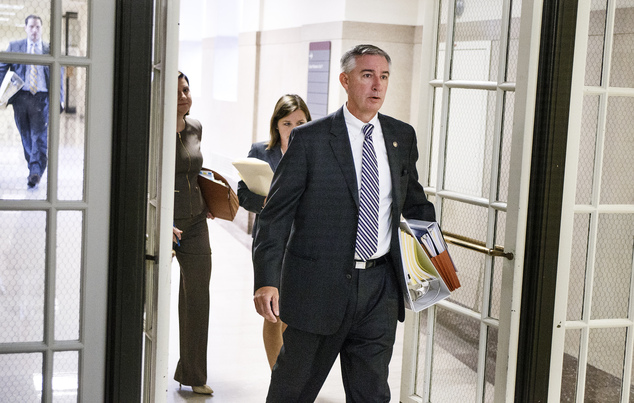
71 157
22 273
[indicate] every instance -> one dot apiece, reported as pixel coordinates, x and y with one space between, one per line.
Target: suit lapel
340 143
390 136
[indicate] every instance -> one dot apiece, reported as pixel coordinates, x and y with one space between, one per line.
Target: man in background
30 105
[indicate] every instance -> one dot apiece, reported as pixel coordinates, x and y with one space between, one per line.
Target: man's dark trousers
31 118
365 341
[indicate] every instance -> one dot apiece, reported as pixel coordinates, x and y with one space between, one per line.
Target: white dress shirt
356 136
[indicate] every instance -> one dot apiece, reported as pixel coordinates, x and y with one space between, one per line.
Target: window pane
596 43
12 20
617 187
505 148
65 379
440 40
21 378
422 350
570 371
476 40
22 274
513 41
578 266
587 149
489 365
621 73
613 266
74 27
68 274
465 170
24 135
435 137
455 358
606 353
70 183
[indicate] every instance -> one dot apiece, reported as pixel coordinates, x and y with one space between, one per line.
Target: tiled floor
237 367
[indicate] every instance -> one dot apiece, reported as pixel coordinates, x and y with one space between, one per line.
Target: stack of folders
429 235
425 285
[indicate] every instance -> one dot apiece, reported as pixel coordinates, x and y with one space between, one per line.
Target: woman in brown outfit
191 244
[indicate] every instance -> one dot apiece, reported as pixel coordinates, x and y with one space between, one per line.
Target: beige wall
277 64
241 57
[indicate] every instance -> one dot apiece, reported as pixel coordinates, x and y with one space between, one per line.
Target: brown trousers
194 258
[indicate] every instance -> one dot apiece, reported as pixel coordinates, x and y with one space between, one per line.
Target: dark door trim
133 58
554 81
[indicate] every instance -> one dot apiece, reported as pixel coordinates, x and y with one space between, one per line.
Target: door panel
53 242
160 192
471 105
593 343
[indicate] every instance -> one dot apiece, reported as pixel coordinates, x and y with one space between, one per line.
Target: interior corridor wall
252 52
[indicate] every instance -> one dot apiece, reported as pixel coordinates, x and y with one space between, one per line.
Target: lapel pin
395 144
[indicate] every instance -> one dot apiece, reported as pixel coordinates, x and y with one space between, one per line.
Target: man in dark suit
30 105
313 266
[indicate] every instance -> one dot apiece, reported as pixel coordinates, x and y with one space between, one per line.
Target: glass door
54 202
593 342
457 350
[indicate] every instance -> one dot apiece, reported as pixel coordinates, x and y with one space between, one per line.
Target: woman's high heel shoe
203 390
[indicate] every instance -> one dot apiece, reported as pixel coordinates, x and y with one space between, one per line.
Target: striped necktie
33 74
368 229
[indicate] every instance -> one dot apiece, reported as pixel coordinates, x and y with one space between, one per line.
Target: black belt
368 264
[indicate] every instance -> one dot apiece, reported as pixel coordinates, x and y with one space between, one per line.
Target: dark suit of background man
30 105
306 266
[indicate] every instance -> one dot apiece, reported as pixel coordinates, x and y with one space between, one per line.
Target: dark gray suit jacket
305 241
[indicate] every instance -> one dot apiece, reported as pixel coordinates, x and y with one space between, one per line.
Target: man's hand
266 300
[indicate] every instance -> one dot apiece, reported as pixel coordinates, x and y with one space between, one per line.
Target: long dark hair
286 105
